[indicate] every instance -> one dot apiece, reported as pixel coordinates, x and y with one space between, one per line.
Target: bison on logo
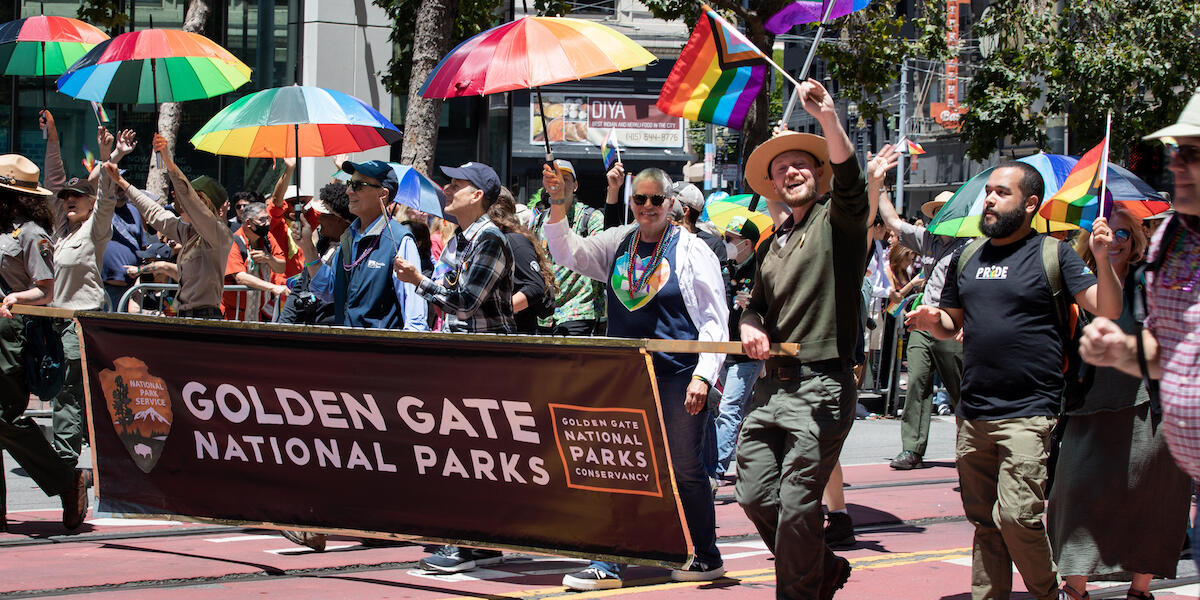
140 407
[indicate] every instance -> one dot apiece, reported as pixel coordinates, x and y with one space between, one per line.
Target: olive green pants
926 354
1002 478
68 413
789 443
19 435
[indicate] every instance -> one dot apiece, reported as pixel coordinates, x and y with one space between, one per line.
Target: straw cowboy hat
929 209
20 174
758 166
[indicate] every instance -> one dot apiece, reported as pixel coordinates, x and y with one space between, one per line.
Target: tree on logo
121 409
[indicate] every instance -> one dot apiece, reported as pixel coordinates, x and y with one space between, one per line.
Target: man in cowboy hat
807 292
926 354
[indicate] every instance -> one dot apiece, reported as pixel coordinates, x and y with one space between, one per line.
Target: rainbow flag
810 11
101 114
908 146
717 76
89 160
610 150
1077 202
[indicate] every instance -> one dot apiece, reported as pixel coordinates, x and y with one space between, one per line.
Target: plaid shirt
1174 317
473 282
579 298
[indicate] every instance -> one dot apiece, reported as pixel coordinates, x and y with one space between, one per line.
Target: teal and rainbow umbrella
152 66
295 121
960 216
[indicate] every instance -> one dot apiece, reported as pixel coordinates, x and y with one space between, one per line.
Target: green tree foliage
864 56
1136 58
474 16
103 14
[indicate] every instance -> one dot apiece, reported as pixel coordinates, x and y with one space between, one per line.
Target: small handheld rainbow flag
101 114
908 146
717 76
609 150
1078 200
89 160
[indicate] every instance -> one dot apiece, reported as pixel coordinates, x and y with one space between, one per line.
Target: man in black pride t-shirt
1012 376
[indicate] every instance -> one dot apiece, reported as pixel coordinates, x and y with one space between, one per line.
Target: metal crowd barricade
889 362
160 295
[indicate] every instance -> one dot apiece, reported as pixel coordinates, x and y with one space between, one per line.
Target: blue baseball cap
480 176
377 170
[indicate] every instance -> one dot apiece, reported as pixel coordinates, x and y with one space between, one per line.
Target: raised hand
815 98
46 122
1101 241
126 142
160 146
104 139
616 176
553 183
879 164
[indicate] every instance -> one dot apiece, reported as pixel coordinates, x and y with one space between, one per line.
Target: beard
801 196
1005 225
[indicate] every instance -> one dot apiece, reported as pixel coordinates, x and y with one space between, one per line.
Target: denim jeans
739 384
684 437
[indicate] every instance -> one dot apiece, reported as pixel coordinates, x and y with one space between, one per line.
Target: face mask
261 230
731 249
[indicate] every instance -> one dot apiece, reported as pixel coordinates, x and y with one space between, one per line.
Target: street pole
900 166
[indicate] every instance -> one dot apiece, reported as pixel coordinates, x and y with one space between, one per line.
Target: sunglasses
358 185
1188 155
1122 235
656 200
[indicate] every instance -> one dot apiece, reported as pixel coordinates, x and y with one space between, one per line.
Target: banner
586 120
534 444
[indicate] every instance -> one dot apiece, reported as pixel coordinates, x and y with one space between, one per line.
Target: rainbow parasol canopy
154 65
36 46
266 124
532 52
959 217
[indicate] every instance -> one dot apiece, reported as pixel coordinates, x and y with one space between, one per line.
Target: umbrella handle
545 129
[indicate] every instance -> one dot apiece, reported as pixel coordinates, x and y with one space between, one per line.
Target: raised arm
277 195
212 228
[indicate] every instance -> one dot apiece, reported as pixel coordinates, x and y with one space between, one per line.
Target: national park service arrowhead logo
140 407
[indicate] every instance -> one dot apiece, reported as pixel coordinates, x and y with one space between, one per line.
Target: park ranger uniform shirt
78 254
26 256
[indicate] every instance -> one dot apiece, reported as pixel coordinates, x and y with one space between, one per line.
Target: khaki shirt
206 242
26 256
78 254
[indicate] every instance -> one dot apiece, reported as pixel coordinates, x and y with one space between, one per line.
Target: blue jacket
368 295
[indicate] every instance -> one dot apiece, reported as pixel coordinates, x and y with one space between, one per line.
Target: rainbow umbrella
730 210
295 120
152 66
960 215
529 53
40 46
418 191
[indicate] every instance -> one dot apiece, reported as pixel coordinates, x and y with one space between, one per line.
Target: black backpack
45 362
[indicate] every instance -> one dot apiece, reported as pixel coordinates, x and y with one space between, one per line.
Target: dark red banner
534 444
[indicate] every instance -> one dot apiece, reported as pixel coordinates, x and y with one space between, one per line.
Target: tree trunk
435 25
169 113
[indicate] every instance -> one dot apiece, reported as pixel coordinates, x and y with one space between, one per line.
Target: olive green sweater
808 291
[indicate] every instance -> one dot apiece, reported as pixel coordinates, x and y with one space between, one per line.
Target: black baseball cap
480 176
375 169
78 187
156 251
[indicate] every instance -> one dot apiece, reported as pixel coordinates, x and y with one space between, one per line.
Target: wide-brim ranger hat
758 166
929 209
20 174
1188 124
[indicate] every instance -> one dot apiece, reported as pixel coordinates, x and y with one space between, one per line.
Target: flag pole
1104 164
812 54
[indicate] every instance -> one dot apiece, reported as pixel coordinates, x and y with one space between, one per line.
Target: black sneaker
592 578
836 576
453 559
907 460
839 532
699 571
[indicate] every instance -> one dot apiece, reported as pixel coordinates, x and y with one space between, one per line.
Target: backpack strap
1058 289
241 244
968 251
1136 299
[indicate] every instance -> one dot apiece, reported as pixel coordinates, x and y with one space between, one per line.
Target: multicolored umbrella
418 191
529 53
152 66
734 210
295 121
36 46
960 215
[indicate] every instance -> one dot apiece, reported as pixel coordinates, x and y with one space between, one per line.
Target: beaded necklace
365 253
636 284
1191 274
